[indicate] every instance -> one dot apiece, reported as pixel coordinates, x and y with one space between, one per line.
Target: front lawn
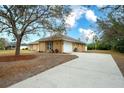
118 57
13 72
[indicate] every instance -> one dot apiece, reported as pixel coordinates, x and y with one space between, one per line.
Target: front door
50 45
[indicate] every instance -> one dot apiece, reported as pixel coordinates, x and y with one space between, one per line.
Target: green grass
12 52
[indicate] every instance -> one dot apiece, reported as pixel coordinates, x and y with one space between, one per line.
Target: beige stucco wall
35 47
30 47
42 46
80 47
57 45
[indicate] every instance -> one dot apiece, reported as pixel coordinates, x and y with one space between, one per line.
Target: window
50 45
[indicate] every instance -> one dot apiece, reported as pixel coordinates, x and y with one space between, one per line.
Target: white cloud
77 13
70 21
90 15
86 35
101 6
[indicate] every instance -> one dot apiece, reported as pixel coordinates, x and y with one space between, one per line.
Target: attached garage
67 47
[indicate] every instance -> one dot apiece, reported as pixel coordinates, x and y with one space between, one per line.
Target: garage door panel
67 46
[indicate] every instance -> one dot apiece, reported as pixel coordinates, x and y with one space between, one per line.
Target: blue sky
85 24
80 20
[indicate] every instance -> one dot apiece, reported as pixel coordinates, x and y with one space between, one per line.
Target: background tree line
112 29
3 43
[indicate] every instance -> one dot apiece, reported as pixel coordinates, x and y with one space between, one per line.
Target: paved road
89 70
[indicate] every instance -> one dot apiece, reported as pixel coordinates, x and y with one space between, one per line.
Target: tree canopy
113 27
3 43
23 20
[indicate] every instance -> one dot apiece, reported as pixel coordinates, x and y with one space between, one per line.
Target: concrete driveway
89 70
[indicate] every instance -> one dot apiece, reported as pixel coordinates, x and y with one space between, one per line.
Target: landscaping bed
13 72
11 58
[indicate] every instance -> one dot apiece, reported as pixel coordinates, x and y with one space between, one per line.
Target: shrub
120 49
75 50
56 50
120 45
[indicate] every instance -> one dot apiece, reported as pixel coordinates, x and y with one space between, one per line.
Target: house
58 43
34 46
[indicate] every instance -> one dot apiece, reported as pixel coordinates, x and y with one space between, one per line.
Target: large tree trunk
18 44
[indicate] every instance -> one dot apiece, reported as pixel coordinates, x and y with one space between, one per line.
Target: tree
113 26
95 41
22 20
3 43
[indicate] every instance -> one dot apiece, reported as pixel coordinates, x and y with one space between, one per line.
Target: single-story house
34 46
58 43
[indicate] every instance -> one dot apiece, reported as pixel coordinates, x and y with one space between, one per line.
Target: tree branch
11 20
5 28
31 21
5 24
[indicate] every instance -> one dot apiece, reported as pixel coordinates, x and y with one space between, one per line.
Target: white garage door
67 47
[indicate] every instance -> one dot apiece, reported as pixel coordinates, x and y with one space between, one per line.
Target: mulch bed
13 72
12 58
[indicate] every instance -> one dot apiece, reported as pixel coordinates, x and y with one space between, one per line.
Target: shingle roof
60 37
36 42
